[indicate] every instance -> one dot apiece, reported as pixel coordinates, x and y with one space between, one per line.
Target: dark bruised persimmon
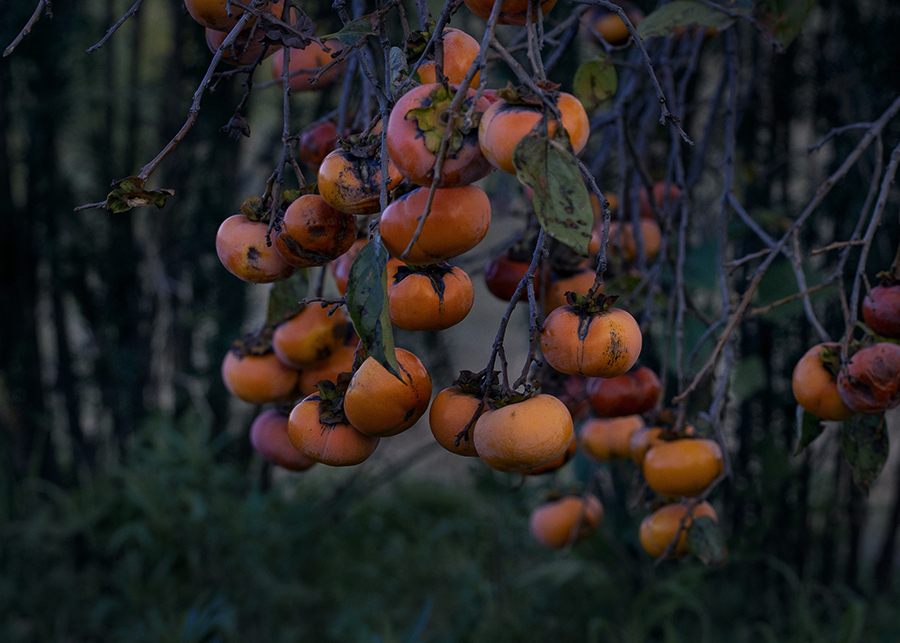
814 383
269 436
310 336
561 522
415 132
881 310
591 339
429 298
870 383
244 250
459 219
512 12
633 393
312 233
460 51
659 528
352 183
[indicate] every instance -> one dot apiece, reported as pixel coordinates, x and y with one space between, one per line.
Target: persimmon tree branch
42 6
115 27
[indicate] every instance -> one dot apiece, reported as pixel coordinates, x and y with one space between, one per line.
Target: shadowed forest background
132 506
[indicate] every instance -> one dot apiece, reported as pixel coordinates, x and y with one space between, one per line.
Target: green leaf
353 32
784 19
367 304
130 193
596 81
560 198
681 13
285 296
809 427
706 541
864 441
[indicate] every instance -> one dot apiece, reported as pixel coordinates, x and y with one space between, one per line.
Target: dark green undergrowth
179 544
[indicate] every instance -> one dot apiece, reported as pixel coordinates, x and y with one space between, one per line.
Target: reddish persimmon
502 276
871 381
633 393
316 142
665 196
881 310
512 12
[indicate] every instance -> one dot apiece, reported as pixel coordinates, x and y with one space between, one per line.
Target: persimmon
379 404
870 383
340 361
433 298
659 528
503 274
316 142
223 15
352 183
312 233
561 522
335 443
269 436
512 12
881 310
607 439
683 467
340 267
450 412
556 464
523 435
611 198
579 283
633 393
610 26
415 132
243 51
814 383
645 438
305 64
460 51
592 339
665 196
258 379
244 250
506 123
622 241
459 219
310 336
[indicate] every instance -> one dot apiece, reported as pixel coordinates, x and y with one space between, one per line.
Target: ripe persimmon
558 463
870 383
429 298
269 436
659 528
310 336
379 404
607 439
881 310
340 361
503 274
244 250
316 142
683 467
258 379
459 219
561 522
451 410
610 26
340 267
460 51
592 339
415 131
645 438
305 64
217 14
312 233
335 443
633 393
665 196
512 12
814 383
352 183
523 435
622 241
505 123
243 51
579 283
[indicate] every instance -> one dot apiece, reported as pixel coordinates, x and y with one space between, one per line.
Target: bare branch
42 5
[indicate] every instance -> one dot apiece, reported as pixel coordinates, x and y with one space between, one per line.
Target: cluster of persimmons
344 401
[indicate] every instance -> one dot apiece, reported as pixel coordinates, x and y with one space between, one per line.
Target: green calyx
432 121
586 305
331 399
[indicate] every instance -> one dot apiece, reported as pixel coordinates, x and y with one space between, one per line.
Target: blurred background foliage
133 508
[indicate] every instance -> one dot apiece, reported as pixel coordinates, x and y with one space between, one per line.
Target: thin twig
41 5
113 29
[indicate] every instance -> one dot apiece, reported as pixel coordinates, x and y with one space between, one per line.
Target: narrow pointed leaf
706 541
285 296
352 32
809 427
864 441
130 193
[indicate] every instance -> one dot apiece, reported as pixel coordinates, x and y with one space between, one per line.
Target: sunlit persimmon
451 411
512 12
524 435
305 64
244 250
269 436
609 438
310 336
633 393
429 298
415 134
460 51
814 383
658 529
504 124
459 219
352 184
337 444
870 383
605 343
561 522
258 379
683 467
223 15
377 403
